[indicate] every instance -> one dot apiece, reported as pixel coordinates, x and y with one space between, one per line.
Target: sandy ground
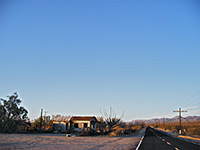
60 141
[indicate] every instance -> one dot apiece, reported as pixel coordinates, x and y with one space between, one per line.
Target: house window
76 125
85 125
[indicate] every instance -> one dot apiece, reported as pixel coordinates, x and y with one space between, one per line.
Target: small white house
79 123
75 123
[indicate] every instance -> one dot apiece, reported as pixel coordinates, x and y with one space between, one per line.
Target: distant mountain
174 119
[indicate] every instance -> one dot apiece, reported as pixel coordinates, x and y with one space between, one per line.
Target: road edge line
140 143
138 146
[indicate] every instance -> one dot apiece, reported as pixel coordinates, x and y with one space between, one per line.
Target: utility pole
41 119
164 122
45 119
179 111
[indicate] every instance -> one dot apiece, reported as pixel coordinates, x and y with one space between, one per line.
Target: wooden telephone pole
41 119
164 122
179 111
45 119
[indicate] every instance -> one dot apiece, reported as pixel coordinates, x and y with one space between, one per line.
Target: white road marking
164 140
169 143
140 143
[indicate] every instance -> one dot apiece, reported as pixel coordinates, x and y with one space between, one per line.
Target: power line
192 99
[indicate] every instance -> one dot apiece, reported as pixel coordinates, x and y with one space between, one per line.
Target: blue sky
77 57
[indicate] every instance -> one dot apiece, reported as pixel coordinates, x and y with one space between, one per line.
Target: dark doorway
85 125
66 126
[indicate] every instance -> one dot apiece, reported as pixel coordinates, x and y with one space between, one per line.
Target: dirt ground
60 141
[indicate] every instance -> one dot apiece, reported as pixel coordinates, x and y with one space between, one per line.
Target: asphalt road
156 140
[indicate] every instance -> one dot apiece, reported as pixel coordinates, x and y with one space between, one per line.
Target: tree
111 118
11 113
101 125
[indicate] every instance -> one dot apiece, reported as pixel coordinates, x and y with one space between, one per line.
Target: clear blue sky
77 57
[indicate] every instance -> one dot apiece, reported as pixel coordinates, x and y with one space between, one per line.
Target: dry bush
110 118
188 128
136 128
118 131
193 130
122 129
88 133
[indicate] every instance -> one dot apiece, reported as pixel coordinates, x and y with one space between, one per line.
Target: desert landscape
99 75
60 141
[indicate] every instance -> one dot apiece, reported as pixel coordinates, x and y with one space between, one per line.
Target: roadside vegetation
43 124
126 129
112 125
191 128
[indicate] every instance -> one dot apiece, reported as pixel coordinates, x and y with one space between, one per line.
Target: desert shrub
168 127
128 131
191 128
88 133
195 130
117 132
110 118
124 128
136 128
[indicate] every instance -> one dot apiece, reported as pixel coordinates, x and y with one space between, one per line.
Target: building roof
62 118
83 118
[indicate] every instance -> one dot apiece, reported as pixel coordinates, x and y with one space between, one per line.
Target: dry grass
125 129
188 128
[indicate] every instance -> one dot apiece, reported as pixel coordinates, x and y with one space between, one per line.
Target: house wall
60 126
90 125
81 123
93 126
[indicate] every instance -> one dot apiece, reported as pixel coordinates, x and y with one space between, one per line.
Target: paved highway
156 140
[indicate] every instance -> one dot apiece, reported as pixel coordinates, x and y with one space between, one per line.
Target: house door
85 125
